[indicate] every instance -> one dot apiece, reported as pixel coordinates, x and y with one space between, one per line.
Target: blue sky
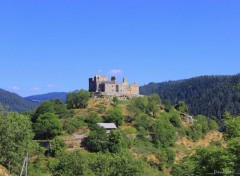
57 45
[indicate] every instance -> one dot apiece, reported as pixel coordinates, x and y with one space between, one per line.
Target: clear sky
56 45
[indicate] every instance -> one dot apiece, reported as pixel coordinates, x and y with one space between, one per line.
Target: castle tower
113 79
125 81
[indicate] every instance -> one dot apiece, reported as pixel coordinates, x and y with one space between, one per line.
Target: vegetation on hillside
16 103
207 95
13 102
147 141
217 159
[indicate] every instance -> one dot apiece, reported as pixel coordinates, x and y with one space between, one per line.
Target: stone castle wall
100 84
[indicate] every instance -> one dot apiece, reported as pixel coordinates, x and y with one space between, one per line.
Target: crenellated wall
101 84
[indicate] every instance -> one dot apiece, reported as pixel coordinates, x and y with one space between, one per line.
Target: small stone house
108 126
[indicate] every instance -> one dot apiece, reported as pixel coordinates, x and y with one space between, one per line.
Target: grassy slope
3 171
184 147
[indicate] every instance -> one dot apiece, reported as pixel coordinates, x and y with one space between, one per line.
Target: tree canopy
15 140
114 116
77 99
47 126
207 95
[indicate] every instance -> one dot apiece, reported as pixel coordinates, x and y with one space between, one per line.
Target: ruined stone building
101 85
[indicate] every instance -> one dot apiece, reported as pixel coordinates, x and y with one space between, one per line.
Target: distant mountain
14 102
49 96
207 95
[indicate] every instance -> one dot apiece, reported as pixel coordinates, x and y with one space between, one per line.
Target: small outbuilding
108 126
78 137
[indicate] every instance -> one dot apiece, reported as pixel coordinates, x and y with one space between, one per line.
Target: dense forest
13 102
152 138
207 95
16 103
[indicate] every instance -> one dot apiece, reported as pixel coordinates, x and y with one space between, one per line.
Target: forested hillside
207 95
14 102
49 96
150 139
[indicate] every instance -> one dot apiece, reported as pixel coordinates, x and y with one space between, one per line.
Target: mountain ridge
13 102
207 95
48 96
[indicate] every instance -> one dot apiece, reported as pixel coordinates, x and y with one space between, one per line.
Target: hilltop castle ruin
101 85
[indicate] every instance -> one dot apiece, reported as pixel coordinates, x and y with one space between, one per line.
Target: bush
143 121
207 161
71 125
232 127
163 133
57 147
130 130
202 125
77 99
93 118
195 132
182 107
176 122
15 140
97 140
213 125
166 158
76 163
116 142
167 104
47 126
115 101
203 121
114 116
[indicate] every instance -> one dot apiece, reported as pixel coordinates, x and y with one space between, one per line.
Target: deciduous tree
15 140
78 99
114 116
47 126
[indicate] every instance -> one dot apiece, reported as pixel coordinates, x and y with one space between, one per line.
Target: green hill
207 95
150 139
49 96
14 102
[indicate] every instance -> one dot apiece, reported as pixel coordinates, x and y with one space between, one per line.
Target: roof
79 136
108 125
